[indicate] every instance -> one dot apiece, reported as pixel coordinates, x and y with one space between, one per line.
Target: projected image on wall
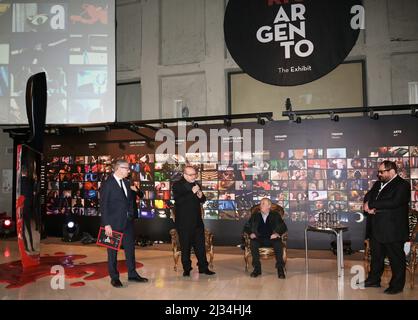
47 51
4 80
74 44
33 17
18 79
92 82
90 15
17 110
85 110
88 49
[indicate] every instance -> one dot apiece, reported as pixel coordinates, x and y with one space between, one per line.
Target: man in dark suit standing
188 198
265 229
387 204
117 215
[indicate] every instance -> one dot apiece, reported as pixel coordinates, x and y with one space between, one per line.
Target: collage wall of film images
302 181
71 42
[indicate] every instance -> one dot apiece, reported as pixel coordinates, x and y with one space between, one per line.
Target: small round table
338 230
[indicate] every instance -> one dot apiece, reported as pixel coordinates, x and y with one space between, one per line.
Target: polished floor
86 280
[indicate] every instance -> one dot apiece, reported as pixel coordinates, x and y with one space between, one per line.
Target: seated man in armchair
265 229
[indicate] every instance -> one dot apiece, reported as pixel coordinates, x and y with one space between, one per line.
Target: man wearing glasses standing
188 198
117 215
387 204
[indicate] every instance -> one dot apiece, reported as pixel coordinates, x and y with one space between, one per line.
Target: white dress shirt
123 184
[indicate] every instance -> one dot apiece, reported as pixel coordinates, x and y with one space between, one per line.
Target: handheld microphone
196 184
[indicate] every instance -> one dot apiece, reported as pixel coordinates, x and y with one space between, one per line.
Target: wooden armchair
265 252
175 244
411 259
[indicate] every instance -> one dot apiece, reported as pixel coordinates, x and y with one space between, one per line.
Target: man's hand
195 189
274 236
199 194
253 236
367 209
372 211
108 230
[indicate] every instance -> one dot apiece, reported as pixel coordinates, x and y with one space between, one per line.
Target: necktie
121 186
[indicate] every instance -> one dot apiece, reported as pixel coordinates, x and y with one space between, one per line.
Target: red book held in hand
114 242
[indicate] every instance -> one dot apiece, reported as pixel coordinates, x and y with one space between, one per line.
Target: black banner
290 43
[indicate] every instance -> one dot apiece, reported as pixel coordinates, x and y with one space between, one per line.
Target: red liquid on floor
77 284
15 276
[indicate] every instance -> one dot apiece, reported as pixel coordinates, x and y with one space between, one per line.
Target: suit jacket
390 223
188 214
116 208
274 220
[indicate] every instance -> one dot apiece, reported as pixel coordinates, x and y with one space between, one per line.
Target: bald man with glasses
188 198
117 215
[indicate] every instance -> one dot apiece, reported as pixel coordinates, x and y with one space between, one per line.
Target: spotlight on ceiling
414 112
261 121
227 122
334 117
292 117
163 125
195 124
373 115
134 127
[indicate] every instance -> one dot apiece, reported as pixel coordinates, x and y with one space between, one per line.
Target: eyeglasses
381 171
191 175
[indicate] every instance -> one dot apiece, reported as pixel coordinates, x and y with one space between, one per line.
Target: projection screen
74 43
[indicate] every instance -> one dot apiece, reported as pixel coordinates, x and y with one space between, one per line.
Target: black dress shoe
392 291
138 278
280 273
208 272
116 283
255 274
186 273
371 284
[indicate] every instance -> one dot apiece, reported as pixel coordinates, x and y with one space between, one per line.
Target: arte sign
288 43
